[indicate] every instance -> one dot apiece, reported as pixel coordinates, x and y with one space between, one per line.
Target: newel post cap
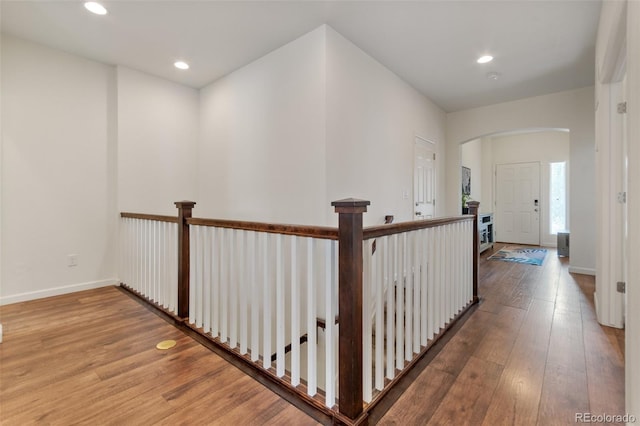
187 204
350 205
474 207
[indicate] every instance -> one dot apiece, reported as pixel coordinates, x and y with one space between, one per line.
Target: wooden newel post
350 305
474 206
184 212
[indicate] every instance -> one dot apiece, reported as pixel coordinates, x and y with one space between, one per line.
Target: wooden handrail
350 235
397 228
156 217
322 232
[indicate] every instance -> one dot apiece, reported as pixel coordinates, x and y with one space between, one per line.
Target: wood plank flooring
90 358
532 353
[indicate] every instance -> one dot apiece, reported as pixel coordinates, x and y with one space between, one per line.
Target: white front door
517 215
424 180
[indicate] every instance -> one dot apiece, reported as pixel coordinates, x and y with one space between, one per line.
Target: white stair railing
415 282
149 257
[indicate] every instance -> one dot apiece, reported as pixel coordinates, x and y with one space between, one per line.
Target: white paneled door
424 180
517 215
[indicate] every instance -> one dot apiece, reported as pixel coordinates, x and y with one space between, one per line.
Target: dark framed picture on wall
466 181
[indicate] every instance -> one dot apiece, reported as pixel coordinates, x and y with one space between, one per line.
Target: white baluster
206 279
417 282
216 276
450 273
390 274
255 298
233 287
295 314
243 290
431 266
367 360
279 308
312 347
381 258
155 264
408 310
400 276
139 285
424 286
195 277
330 371
224 284
143 261
174 272
266 300
438 304
149 259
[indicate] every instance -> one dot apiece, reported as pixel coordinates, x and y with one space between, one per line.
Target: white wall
571 110
373 118
314 121
157 143
262 149
632 336
471 157
58 163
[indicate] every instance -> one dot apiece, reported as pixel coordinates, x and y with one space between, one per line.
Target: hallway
532 354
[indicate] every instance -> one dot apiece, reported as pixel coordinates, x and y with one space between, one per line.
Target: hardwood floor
531 353
90 358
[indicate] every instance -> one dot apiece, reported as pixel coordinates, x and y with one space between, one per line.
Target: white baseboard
584 271
56 291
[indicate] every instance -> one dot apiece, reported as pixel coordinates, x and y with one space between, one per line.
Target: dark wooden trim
397 228
322 323
303 339
474 207
170 316
304 402
156 217
350 305
322 232
383 401
311 406
185 209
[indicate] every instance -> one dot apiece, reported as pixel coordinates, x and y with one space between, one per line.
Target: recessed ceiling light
484 59
493 76
181 65
96 8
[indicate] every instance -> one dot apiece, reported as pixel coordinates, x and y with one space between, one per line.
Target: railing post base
474 206
185 209
350 305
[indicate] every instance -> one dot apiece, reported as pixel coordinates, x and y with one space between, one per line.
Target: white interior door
424 180
517 215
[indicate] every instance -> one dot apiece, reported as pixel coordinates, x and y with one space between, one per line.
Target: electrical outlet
72 260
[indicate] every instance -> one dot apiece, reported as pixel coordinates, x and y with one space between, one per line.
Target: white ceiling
539 47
